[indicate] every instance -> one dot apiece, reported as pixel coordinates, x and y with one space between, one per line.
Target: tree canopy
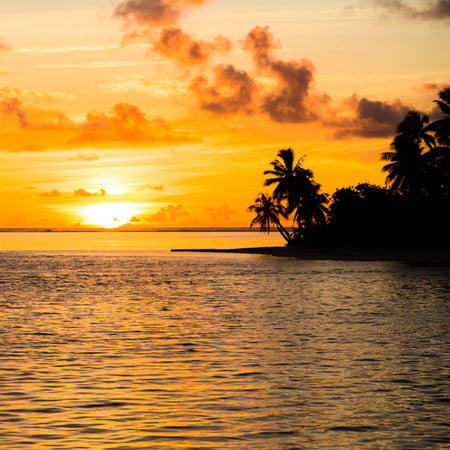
296 194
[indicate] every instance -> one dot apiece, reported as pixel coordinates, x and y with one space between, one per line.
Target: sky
165 113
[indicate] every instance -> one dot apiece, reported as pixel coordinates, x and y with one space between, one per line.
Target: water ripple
221 351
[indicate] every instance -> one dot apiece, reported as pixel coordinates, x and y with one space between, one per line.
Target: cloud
28 117
370 118
185 50
24 108
286 95
231 91
260 42
89 193
435 10
290 100
381 112
147 12
127 123
151 187
167 214
155 21
33 95
153 12
432 87
52 193
13 107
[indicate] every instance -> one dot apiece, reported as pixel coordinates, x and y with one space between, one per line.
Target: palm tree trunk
285 233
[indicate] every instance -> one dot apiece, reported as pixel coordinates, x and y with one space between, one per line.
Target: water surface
116 349
136 241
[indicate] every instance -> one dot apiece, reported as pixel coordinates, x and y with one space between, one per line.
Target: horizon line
122 230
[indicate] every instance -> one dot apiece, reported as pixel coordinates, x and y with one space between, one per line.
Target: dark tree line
413 207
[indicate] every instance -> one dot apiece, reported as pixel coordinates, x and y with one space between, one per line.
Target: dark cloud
381 112
231 91
153 21
88 193
371 119
153 12
290 100
148 12
436 10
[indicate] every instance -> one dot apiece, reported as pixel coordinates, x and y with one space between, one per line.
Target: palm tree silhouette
295 185
311 211
410 165
441 153
441 127
290 178
268 211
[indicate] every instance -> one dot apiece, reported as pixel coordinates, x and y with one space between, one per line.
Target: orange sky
165 113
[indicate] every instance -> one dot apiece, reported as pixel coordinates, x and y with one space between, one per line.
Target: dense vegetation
412 209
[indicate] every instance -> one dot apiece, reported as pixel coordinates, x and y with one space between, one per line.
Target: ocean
110 341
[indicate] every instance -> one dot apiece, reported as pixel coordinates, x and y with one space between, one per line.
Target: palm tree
410 166
290 178
311 212
441 153
268 211
441 127
295 185
414 126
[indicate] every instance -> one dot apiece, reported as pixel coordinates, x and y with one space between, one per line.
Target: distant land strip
427 255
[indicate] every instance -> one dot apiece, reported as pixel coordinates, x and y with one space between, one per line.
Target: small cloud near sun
151 187
89 193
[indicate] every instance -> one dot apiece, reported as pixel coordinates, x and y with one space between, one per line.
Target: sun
109 215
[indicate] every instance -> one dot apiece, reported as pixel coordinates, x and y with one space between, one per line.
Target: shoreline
402 254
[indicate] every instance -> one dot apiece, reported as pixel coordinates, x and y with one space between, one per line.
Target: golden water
119 349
